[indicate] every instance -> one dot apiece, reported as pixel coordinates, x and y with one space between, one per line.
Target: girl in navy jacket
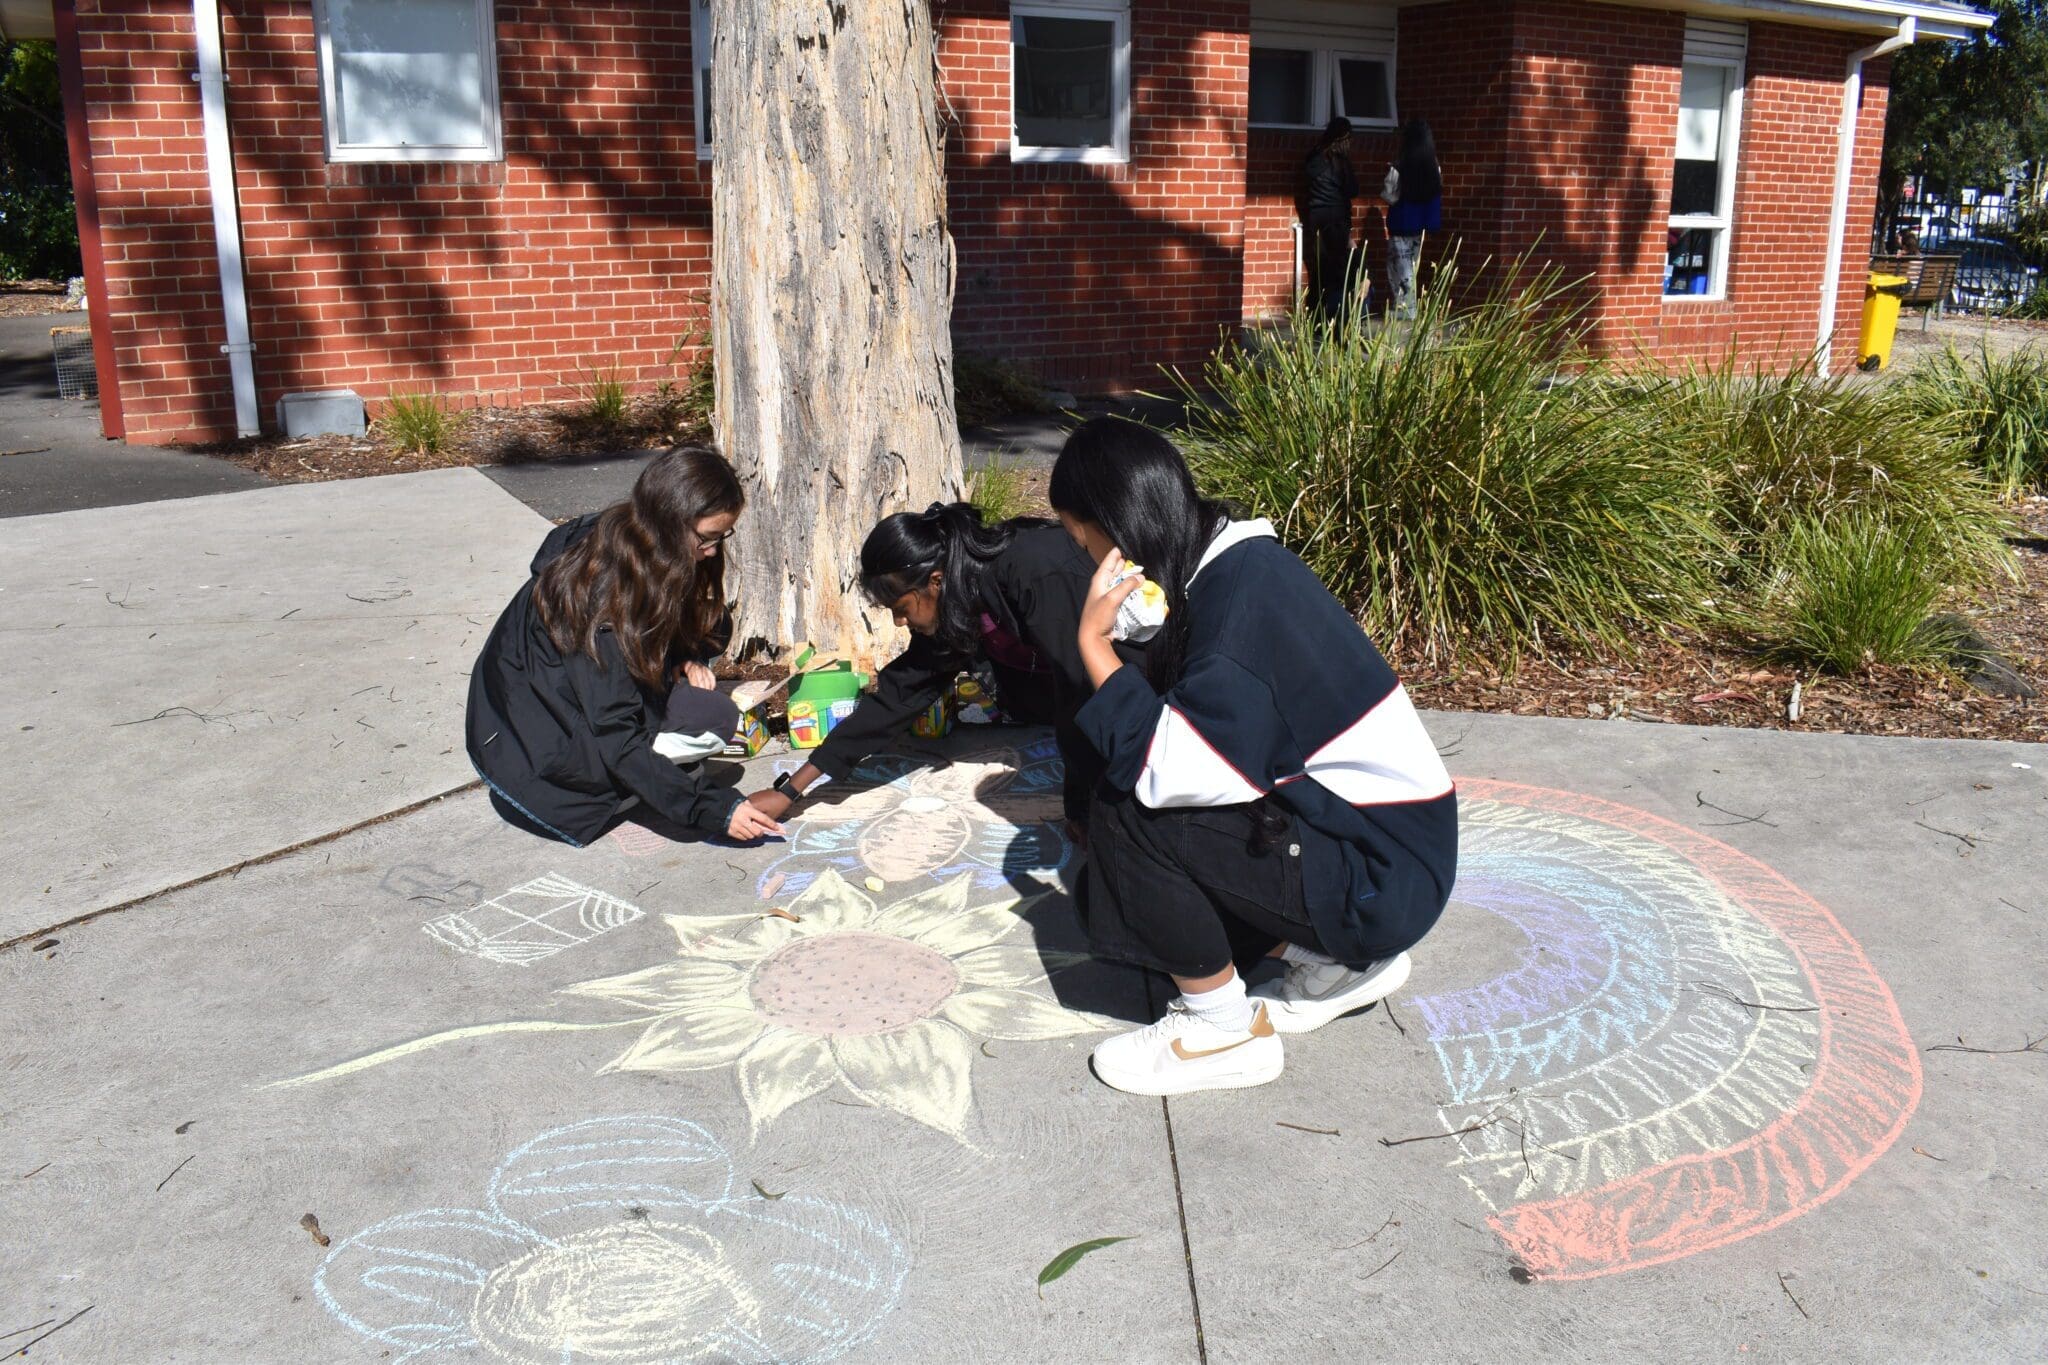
1268 789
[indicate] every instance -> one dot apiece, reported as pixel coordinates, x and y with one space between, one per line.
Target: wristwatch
788 788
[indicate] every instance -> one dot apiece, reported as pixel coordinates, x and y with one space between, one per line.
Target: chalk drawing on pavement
532 921
622 1240
1690 1050
995 814
827 990
638 841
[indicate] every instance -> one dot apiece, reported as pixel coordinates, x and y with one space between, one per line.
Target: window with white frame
1703 161
409 80
1070 82
1311 62
700 75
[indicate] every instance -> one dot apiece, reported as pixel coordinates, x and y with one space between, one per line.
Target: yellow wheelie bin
1880 320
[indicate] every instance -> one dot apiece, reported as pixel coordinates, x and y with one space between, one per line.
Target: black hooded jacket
567 739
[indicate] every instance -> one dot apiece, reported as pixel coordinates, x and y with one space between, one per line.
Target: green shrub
1447 489
2032 308
2000 405
38 234
604 398
1773 450
985 389
1000 491
416 423
1845 593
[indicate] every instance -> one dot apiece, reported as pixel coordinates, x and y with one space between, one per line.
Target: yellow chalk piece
876 884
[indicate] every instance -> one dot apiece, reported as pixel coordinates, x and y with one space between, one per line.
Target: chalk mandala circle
1687 1050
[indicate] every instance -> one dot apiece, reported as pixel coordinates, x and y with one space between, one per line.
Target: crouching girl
1269 789
594 697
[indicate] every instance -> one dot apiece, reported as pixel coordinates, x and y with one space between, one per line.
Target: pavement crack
236 869
1180 1205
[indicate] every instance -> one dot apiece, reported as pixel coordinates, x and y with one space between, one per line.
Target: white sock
1226 1008
1307 957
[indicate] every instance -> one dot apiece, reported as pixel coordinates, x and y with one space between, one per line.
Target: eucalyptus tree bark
832 295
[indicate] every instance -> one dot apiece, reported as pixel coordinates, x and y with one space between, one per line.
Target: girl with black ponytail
1267 789
1008 595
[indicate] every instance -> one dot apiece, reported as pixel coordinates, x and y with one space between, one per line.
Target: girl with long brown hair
593 698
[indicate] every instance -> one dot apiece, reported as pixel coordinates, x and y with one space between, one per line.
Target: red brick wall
588 247
1096 274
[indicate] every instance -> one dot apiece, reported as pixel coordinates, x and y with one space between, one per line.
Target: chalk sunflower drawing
887 1002
620 1240
995 813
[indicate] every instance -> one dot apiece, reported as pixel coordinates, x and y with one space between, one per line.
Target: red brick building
491 198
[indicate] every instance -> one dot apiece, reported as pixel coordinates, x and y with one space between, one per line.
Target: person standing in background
1329 188
1414 192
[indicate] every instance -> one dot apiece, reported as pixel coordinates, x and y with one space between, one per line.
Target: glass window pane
1689 262
1362 88
1696 172
407 73
1065 77
1281 85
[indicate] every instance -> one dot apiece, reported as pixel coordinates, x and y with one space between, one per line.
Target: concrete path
1714 1055
201 681
58 461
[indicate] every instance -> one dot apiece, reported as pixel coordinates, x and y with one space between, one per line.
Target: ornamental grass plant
2000 405
1443 483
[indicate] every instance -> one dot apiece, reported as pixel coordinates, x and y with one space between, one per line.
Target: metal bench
1931 280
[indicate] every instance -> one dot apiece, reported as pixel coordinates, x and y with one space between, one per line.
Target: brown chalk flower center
852 984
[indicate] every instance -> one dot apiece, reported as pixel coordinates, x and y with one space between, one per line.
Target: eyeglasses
713 542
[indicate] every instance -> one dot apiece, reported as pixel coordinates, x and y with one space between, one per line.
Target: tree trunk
832 295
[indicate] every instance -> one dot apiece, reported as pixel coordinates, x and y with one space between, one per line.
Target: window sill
411 156
1070 156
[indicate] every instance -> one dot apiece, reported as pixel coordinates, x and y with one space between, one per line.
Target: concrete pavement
1666 1080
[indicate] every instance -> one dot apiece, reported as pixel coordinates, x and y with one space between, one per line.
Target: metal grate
76 375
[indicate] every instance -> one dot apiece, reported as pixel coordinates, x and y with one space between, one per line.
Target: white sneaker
1181 1053
1309 995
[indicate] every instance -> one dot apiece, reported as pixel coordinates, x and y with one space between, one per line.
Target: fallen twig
1959 1046
175 1169
1384 1264
1472 1127
1794 1297
23 1350
27 450
1723 993
1967 840
1700 799
200 716
1388 1006
1390 1223
290 614
30 1328
37 1171
1324 1132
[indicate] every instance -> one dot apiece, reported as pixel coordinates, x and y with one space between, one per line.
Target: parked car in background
1991 275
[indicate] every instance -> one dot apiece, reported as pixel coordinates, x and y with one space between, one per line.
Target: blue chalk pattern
625 1239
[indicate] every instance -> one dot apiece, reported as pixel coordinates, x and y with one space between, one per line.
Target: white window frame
493 148
700 72
1722 221
1355 54
1119 151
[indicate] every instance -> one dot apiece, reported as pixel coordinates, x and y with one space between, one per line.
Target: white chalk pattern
532 921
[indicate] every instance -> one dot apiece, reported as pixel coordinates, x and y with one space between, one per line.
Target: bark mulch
1695 680
481 436
32 298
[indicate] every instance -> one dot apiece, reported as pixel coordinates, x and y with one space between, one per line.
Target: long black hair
950 538
1133 483
1421 178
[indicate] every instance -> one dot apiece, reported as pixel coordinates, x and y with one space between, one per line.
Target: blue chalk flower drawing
625 1240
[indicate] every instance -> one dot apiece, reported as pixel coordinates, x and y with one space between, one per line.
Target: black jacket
566 739
1328 184
1283 696
1034 590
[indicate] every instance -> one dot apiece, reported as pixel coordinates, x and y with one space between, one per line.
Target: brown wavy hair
638 571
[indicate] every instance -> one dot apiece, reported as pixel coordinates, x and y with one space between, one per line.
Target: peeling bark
832 296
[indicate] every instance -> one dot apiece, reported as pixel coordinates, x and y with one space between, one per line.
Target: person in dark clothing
1414 192
1329 188
1267 788
1007 595
595 683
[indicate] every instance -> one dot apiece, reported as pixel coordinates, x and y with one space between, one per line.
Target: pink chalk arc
1866 1084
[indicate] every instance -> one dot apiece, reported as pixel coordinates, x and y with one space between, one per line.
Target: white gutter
1845 156
227 218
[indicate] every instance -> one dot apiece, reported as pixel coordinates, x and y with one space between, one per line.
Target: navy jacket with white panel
1283 695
